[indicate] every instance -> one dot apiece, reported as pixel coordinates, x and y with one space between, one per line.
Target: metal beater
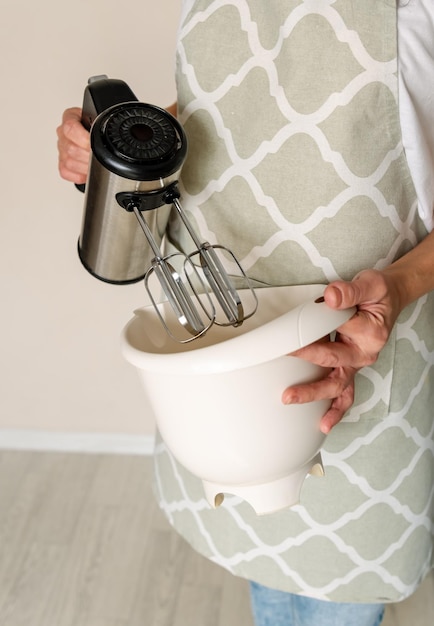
201 293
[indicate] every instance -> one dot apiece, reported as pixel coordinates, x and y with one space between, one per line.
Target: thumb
343 295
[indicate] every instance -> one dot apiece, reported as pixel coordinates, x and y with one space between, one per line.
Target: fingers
338 385
73 129
344 352
331 386
337 410
73 146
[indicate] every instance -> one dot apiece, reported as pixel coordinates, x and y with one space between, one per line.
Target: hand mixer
137 153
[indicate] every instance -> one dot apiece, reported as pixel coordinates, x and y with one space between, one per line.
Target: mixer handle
102 92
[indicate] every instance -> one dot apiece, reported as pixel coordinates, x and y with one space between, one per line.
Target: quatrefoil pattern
296 164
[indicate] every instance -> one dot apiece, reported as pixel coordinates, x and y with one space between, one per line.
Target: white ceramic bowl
217 400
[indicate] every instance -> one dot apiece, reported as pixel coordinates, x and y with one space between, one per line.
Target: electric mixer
137 154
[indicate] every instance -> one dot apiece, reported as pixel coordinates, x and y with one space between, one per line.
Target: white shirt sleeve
416 97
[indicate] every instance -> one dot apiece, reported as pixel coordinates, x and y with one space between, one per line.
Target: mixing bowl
217 400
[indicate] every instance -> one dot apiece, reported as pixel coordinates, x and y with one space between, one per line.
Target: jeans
277 608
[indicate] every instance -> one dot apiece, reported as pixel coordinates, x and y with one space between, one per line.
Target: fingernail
334 296
287 398
324 428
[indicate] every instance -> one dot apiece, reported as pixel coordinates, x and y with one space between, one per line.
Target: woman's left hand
358 342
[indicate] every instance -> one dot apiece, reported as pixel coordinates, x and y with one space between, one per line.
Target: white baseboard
92 443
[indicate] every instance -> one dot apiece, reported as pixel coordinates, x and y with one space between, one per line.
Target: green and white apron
296 164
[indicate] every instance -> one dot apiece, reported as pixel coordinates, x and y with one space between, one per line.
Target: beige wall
61 368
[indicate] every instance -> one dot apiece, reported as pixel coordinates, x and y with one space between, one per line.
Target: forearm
413 274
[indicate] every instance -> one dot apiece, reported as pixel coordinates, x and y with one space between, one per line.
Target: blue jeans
277 608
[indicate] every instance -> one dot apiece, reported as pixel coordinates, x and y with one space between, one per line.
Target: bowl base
268 497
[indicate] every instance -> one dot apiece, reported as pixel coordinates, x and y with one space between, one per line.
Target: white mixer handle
316 319
295 329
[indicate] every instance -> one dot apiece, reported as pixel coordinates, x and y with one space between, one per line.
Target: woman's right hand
74 147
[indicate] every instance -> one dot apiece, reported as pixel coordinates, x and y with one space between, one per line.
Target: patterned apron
296 164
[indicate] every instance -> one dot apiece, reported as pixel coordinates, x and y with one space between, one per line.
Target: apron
296 164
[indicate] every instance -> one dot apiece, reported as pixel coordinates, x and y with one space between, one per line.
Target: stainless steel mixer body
111 244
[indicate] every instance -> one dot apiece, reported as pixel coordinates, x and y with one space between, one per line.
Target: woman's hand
74 147
358 344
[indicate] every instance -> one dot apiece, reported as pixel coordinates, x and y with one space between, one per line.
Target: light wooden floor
82 543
